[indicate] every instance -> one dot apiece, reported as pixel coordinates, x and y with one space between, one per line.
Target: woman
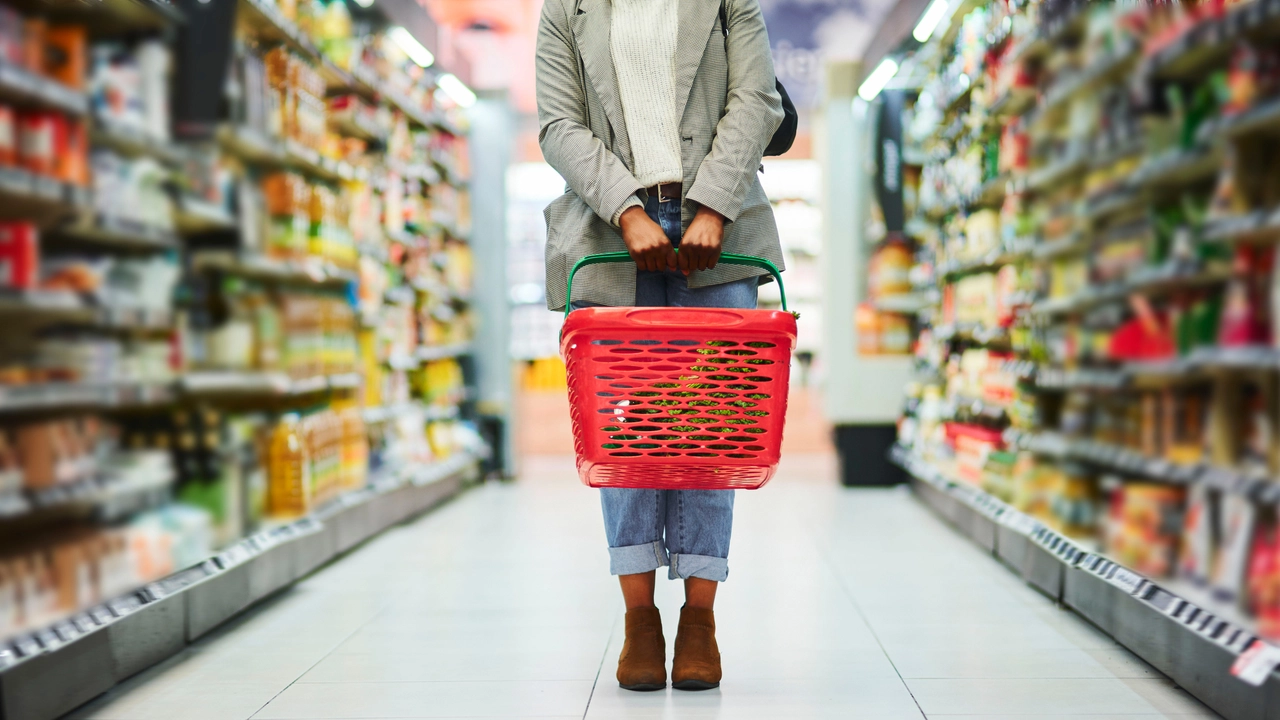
657 117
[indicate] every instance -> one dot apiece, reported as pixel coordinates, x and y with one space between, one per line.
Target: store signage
889 161
807 35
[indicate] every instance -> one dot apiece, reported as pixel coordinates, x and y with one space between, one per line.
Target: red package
72 161
38 134
8 136
19 255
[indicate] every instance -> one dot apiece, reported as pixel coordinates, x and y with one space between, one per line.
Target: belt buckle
662 198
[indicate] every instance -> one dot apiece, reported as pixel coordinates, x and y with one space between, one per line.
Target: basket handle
730 258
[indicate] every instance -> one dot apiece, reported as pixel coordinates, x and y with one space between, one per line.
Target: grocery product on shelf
1095 211
214 330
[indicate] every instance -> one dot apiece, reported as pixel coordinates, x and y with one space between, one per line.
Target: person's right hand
646 242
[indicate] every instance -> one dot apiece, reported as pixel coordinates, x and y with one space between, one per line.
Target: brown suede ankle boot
643 663
697 662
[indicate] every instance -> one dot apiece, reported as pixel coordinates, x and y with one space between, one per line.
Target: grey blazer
728 107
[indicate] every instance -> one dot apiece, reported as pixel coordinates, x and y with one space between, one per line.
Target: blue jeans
685 529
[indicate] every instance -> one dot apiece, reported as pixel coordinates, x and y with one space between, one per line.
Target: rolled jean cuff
699 566
634 559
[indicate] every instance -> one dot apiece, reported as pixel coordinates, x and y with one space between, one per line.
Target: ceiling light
929 20
878 78
364 3
416 51
456 90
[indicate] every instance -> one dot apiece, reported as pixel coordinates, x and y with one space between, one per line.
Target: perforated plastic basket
678 398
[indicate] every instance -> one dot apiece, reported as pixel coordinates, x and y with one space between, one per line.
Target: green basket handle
730 258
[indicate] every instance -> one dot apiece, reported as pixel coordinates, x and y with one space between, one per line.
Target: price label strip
1125 579
1255 665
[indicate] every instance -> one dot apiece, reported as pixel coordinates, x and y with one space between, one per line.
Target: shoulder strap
724 19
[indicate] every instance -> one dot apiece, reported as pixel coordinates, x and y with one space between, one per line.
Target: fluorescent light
456 90
928 21
364 3
878 78
416 51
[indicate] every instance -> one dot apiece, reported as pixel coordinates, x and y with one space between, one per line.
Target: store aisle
841 604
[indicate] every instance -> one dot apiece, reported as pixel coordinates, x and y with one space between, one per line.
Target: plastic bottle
289 490
355 449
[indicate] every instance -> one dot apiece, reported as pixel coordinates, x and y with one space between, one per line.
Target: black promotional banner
889 160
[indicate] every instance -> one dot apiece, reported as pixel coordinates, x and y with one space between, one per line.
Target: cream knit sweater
642 39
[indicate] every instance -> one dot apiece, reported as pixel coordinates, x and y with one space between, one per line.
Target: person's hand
700 246
646 241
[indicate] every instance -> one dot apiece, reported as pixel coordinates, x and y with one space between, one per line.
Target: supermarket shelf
110 232
106 498
270 269
974 407
431 413
906 303
66 395
1131 463
249 382
1048 378
1069 245
411 110
1262 117
194 216
428 353
1191 644
1111 458
1075 163
993 260
952 22
972 331
268 23
418 171
345 381
1103 70
106 18
24 195
1177 167
1106 205
1257 226
1190 368
1150 281
252 147
110 642
1207 44
132 142
66 307
21 87
1014 102
358 127
950 104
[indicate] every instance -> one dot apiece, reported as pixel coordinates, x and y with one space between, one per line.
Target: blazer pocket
557 216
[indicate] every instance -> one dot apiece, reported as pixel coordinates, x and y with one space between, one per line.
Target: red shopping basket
678 398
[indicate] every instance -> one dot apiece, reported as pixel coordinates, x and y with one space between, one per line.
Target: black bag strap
724 20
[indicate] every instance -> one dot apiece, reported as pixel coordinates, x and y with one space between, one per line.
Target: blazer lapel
591 31
697 19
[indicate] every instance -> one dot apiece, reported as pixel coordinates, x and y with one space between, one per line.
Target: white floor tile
840 604
167 699
988 698
317 701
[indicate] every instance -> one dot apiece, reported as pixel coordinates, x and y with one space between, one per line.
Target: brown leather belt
666 191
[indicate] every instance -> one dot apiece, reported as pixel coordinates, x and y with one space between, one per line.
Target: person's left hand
700 246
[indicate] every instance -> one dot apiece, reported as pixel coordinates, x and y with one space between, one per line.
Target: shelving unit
179 337
1097 373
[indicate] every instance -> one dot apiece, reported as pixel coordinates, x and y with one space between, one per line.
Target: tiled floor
840 604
